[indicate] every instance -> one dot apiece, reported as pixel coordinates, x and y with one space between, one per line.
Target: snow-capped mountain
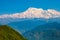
30 13
34 13
30 18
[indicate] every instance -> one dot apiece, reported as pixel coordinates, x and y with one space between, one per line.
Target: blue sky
14 6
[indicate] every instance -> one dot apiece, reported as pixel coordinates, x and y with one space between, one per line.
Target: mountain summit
30 13
34 13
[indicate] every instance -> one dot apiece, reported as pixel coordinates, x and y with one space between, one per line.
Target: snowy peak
34 13
40 13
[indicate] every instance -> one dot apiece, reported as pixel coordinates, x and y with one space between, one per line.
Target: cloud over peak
34 13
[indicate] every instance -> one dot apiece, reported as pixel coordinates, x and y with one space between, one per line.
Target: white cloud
34 13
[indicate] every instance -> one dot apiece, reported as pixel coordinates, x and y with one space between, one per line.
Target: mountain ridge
7 33
34 13
49 31
30 13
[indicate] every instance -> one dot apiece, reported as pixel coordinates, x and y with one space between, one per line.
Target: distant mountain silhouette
27 25
49 31
7 33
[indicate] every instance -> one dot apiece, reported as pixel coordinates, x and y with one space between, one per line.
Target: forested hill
7 33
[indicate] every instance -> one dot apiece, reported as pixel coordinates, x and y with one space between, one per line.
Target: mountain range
49 31
34 13
27 22
30 13
26 25
30 18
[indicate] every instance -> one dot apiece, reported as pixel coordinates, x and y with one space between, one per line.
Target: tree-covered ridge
7 33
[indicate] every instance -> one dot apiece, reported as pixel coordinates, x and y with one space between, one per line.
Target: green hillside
7 33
